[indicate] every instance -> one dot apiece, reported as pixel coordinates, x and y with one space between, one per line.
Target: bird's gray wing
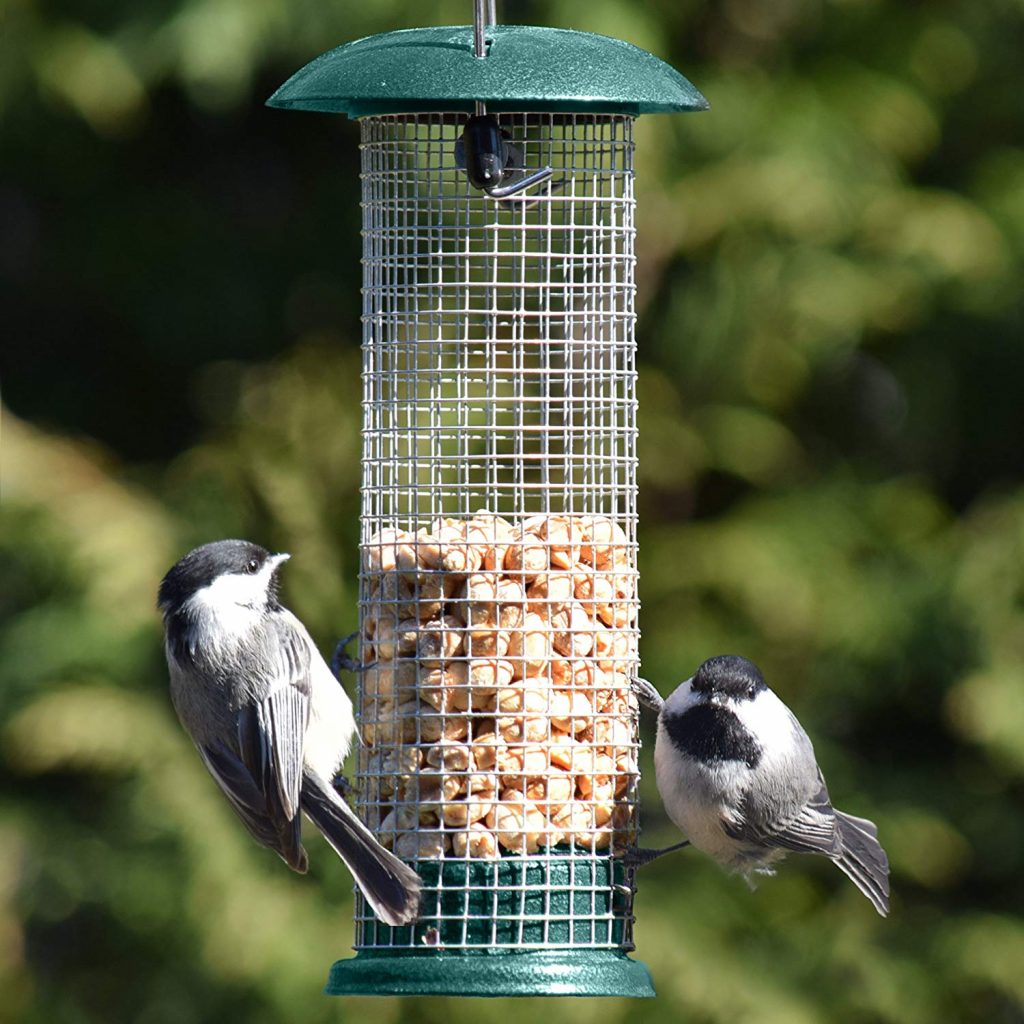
263 777
811 830
271 730
241 789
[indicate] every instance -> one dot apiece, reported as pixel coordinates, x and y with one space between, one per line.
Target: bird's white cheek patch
767 718
232 600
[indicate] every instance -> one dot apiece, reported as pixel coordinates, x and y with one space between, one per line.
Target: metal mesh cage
498 591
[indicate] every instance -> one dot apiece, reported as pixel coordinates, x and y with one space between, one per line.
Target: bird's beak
276 560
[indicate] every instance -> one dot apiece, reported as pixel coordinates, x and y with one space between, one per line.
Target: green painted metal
561 900
569 904
527 68
546 972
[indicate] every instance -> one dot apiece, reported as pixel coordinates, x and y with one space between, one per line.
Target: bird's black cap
200 567
729 675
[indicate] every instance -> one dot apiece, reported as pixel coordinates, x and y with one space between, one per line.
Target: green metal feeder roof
527 68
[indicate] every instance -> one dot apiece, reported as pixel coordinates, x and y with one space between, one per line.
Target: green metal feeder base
546 972
564 903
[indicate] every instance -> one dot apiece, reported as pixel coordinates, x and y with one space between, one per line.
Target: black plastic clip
491 162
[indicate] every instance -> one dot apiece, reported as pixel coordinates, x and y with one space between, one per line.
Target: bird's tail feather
861 824
390 887
863 860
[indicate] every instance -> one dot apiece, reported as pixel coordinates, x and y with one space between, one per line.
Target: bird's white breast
700 797
331 725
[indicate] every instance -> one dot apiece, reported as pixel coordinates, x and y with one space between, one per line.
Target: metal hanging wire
484 14
484 150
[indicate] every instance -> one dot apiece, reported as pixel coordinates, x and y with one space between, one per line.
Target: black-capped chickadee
737 774
271 723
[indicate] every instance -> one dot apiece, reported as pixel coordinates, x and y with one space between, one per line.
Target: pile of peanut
497 712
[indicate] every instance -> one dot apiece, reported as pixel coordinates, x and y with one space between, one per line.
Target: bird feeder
498 587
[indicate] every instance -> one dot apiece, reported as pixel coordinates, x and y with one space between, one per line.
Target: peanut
384 552
439 640
486 643
564 537
510 699
426 845
477 841
526 557
604 543
449 755
570 711
528 647
460 813
391 680
550 593
487 675
573 632
503 656
485 750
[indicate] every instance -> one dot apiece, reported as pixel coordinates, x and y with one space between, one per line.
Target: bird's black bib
709 732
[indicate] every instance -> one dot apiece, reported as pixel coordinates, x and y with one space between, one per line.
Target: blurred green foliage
831 358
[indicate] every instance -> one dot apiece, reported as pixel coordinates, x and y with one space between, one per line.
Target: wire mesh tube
498 598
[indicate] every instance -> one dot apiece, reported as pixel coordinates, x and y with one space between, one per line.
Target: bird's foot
646 693
635 857
342 660
345 788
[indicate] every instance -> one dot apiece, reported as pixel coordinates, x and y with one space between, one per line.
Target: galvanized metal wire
499 377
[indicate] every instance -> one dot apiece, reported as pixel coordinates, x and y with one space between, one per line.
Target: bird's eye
751 692
252 566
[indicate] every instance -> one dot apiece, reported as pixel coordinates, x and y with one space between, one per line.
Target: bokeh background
831 453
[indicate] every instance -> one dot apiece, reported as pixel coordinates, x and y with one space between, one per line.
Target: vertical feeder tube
498 586
498 590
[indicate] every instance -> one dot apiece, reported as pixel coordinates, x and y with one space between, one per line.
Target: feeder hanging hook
484 150
491 162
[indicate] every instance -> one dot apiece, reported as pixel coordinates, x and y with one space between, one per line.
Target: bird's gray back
788 777
219 672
